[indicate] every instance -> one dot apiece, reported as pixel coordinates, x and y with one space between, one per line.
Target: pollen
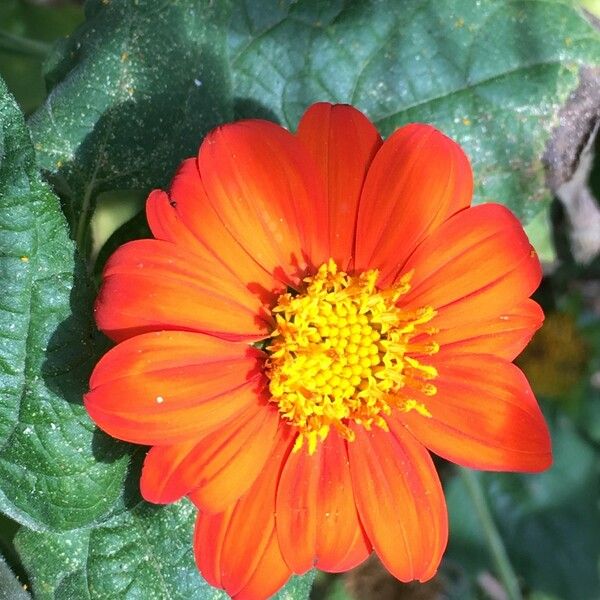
344 351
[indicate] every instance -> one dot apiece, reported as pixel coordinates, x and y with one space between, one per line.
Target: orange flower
317 312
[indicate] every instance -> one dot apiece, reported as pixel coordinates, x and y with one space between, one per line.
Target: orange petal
417 180
343 142
400 501
484 415
237 550
355 553
504 336
189 206
166 224
476 266
166 474
168 387
220 467
270 574
264 187
317 520
151 285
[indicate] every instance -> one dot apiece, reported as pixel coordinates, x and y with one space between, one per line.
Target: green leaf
50 471
145 553
134 90
549 522
10 587
330 586
493 74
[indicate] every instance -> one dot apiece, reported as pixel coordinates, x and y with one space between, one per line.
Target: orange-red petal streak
219 468
168 387
400 501
230 459
343 142
266 190
504 336
151 285
188 201
166 224
166 472
417 180
317 520
475 267
484 415
237 550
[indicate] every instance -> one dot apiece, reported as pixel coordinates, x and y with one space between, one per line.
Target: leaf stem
82 230
22 45
495 544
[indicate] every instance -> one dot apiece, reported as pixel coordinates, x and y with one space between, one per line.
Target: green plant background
100 103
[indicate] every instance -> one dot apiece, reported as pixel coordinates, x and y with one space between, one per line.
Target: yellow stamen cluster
341 352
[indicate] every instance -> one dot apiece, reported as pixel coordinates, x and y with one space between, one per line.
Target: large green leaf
135 89
50 471
492 74
138 85
549 521
144 553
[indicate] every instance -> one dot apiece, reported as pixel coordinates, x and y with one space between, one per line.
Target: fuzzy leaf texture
491 74
134 90
10 587
144 553
49 451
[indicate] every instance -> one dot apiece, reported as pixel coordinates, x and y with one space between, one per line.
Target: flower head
316 313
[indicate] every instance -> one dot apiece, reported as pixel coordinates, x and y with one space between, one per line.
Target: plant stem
22 45
495 544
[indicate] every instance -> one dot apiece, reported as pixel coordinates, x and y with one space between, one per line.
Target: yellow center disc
343 350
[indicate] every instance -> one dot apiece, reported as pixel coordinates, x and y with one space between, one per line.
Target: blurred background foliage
40 24
549 523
